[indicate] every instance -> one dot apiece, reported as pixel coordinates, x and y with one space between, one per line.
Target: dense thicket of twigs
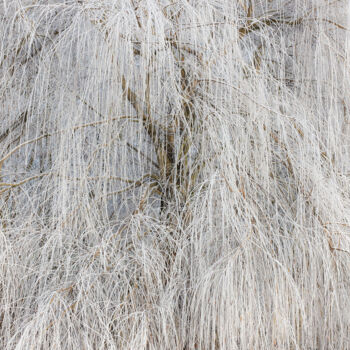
174 174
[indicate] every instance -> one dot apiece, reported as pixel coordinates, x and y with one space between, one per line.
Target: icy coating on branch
174 174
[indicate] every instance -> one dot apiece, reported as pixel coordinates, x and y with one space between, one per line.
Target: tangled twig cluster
174 174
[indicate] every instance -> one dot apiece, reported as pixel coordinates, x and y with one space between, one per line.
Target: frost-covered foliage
174 174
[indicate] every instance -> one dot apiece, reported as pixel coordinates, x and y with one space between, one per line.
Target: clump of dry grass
174 175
